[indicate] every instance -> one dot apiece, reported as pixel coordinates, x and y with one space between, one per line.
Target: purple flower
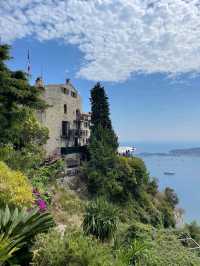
41 204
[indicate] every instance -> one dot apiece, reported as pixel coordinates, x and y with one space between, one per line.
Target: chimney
67 81
39 83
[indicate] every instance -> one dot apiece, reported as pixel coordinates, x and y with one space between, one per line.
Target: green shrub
7 248
42 176
100 219
72 249
167 213
136 254
151 247
167 250
15 188
20 226
136 231
171 197
194 230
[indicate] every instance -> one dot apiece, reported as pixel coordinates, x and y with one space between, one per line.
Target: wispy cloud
117 37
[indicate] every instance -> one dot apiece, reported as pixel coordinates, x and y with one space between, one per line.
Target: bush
194 230
42 176
171 197
151 247
7 248
168 218
24 159
136 254
18 227
15 188
100 219
72 249
135 231
167 250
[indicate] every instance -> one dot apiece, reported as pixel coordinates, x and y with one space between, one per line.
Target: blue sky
146 54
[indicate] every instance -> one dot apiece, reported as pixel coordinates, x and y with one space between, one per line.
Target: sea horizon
160 146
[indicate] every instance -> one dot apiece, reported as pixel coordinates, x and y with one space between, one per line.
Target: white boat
169 173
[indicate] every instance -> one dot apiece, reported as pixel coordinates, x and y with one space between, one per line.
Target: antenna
41 71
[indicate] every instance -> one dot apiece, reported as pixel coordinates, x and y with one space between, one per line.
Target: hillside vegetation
121 219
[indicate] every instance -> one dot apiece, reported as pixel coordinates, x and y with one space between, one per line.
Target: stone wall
56 96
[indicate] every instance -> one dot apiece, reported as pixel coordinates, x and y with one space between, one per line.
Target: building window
65 90
78 114
85 124
65 108
73 94
65 128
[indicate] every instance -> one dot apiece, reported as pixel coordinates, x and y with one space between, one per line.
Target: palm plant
18 227
135 254
7 248
100 219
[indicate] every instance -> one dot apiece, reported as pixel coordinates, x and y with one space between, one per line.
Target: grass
67 207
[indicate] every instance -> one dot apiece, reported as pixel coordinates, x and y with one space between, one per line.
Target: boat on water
169 173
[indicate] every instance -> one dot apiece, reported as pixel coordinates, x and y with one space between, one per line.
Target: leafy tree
171 197
21 135
152 187
167 214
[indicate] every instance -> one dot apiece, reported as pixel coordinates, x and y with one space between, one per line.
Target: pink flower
41 204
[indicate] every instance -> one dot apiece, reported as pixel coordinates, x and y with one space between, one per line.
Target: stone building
69 127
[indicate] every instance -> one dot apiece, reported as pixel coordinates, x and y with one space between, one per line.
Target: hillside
111 213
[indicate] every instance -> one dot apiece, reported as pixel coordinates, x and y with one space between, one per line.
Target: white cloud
117 37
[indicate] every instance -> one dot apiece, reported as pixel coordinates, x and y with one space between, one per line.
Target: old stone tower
69 127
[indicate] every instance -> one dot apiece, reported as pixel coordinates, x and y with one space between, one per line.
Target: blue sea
186 181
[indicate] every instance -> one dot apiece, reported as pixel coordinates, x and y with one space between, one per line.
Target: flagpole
28 65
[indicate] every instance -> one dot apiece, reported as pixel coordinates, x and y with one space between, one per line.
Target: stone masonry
68 126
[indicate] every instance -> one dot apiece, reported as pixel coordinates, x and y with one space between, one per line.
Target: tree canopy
17 96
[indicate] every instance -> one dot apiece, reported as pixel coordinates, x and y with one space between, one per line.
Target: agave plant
7 248
17 227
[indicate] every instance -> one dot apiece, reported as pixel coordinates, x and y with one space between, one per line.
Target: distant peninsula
177 152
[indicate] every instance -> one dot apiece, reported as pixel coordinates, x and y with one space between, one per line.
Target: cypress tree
101 168
100 117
